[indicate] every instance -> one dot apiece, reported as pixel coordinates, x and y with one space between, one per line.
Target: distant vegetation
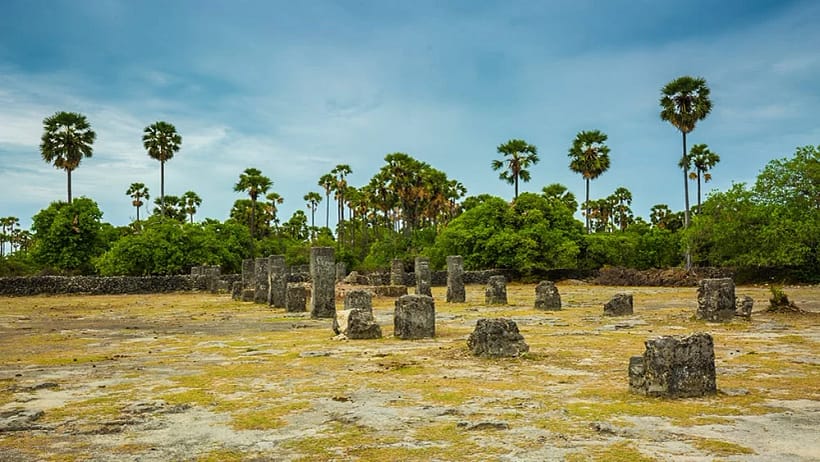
410 208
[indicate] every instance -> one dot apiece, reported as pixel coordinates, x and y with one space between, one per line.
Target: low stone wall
668 277
96 285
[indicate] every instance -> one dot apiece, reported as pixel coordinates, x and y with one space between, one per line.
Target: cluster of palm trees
18 239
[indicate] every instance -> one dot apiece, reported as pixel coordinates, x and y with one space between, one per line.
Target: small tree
138 192
190 202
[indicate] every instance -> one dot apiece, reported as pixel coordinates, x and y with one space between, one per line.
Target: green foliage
639 247
68 236
533 234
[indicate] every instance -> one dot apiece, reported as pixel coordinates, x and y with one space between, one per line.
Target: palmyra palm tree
328 183
254 183
312 198
67 138
138 192
590 158
190 202
702 160
518 156
161 140
340 172
274 199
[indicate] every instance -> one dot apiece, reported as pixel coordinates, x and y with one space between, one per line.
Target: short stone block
248 295
356 324
619 305
397 272
716 299
547 296
296 298
236 291
497 338
423 277
496 291
390 291
675 367
743 307
455 279
414 317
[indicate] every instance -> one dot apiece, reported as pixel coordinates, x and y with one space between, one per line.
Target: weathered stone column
497 338
356 320
236 291
260 289
496 291
716 299
618 305
675 367
423 276
414 317
248 273
296 298
397 272
323 274
455 279
547 296
341 271
278 281
743 307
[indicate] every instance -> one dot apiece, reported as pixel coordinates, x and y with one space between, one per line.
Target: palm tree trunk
162 186
68 172
327 210
587 207
253 217
138 214
686 202
516 188
698 191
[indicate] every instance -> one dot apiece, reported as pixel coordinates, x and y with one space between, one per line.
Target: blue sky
294 88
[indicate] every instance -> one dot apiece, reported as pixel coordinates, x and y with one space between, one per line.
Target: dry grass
271 384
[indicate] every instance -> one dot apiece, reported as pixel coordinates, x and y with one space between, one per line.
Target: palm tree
190 202
684 102
519 155
67 138
138 192
313 199
7 225
161 140
702 159
328 183
559 192
590 158
254 183
622 198
273 200
340 172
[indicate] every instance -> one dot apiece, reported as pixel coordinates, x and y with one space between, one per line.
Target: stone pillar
455 279
743 307
248 273
296 298
547 296
359 299
716 299
397 272
212 272
619 305
278 284
356 320
236 291
341 271
414 317
497 338
323 274
675 367
262 271
496 291
423 277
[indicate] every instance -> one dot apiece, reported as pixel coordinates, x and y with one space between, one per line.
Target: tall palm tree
702 159
138 192
590 158
190 202
328 183
340 172
519 155
161 140
622 198
6 229
254 183
313 199
684 102
67 138
273 201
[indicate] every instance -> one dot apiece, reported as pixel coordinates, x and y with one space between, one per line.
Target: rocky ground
201 377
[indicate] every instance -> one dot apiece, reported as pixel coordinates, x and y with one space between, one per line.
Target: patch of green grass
721 448
618 452
267 418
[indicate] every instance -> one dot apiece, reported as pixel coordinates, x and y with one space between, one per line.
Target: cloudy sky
294 88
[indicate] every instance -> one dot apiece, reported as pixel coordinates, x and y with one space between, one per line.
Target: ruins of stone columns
423 277
675 367
356 320
716 299
455 279
278 284
396 272
496 291
323 275
248 273
296 298
743 307
619 305
547 297
414 317
497 338
341 271
262 272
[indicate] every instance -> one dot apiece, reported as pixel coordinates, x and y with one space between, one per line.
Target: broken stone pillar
247 295
212 273
390 291
547 296
356 320
455 279
497 338
323 275
397 272
716 299
496 291
675 367
278 281
423 276
743 307
341 271
262 270
248 273
296 298
236 291
619 305
414 317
